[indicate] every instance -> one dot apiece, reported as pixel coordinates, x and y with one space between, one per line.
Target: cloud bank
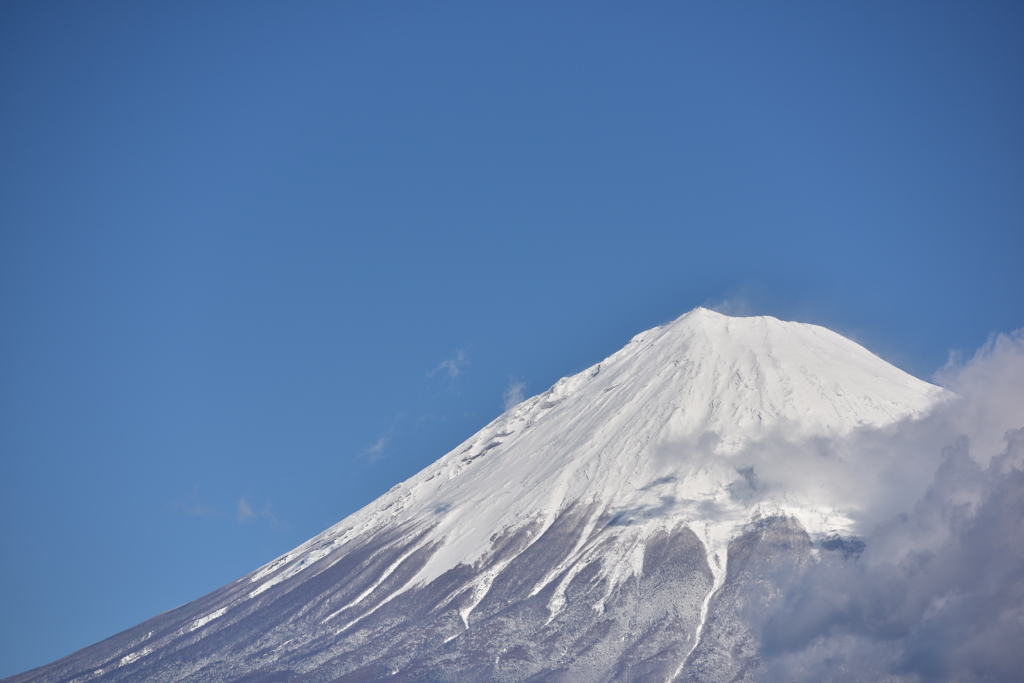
934 588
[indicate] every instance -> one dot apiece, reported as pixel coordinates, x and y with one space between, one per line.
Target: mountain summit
612 528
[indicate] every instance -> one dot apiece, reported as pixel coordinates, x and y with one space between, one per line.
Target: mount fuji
632 523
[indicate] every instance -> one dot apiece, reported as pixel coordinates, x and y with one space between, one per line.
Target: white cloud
453 366
936 593
992 385
244 511
513 395
268 514
194 507
376 451
197 509
737 306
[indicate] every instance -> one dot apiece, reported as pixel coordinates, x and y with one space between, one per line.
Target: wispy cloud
198 509
267 513
244 512
513 395
451 366
377 450
737 306
193 507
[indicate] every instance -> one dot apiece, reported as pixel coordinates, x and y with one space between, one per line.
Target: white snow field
667 417
611 528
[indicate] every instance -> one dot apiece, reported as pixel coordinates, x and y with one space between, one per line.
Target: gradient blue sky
261 261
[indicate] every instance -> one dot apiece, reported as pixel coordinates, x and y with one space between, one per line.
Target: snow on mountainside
580 536
629 433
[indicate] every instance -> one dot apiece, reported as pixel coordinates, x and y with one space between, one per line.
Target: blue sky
259 262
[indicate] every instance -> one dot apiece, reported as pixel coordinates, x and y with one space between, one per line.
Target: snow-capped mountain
613 528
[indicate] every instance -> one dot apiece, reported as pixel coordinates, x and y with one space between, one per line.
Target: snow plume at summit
723 499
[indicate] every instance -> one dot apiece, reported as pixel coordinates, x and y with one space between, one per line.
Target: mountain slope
583 535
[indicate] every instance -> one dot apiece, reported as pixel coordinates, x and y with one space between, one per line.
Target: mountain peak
675 415
740 377
590 524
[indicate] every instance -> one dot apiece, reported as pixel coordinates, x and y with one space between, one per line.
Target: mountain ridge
599 520
710 332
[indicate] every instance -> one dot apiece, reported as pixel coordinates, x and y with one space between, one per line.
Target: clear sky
261 261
